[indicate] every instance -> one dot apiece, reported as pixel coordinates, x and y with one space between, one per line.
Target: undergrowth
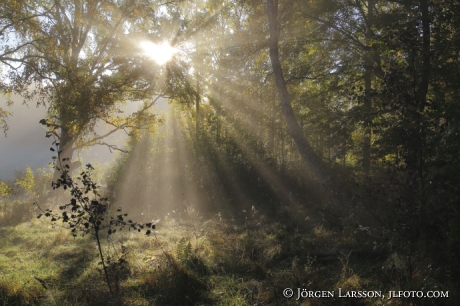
212 261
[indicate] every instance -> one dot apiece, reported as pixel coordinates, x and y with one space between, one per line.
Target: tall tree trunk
320 146
421 96
271 133
197 107
313 161
367 122
198 89
283 158
367 95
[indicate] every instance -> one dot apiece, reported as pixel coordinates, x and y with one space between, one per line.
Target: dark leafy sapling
88 212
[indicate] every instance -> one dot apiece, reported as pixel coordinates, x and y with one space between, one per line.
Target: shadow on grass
15 298
171 283
76 260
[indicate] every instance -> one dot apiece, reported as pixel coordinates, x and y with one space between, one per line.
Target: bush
88 213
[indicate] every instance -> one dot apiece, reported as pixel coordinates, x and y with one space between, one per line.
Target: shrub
87 212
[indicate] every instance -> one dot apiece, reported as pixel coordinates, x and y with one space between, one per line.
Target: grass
209 261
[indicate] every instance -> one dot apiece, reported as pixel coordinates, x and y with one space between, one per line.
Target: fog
26 145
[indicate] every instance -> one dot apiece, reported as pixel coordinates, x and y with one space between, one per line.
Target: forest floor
201 260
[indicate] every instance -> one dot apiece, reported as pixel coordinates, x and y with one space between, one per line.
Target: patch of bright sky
160 53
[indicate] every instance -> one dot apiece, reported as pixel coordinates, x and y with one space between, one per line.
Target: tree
79 58
85 214
315 163
13 15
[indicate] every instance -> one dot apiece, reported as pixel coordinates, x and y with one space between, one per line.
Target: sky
26 145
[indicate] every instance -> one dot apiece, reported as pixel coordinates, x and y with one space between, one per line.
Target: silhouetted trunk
271 133
283 160
421 99
197 107
217 132
367 121
320 146
314 162
65 154
367 96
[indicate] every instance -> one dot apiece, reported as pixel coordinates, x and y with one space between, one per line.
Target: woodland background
311 144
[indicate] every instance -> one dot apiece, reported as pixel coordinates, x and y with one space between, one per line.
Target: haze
27 146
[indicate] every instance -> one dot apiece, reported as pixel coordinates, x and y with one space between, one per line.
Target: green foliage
85 215
84 72
3 119
5 190
88 213
15 197
27 182
184 250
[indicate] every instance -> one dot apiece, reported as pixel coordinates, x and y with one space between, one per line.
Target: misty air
229 152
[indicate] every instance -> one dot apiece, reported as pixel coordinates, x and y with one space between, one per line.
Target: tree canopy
80 60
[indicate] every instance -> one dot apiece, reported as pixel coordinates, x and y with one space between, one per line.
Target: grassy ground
199 261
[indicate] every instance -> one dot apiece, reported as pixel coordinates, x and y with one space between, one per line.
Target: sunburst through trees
332 118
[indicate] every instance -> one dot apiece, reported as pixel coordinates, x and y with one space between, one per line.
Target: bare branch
112 147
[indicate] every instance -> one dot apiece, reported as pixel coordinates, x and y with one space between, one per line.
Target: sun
159 53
